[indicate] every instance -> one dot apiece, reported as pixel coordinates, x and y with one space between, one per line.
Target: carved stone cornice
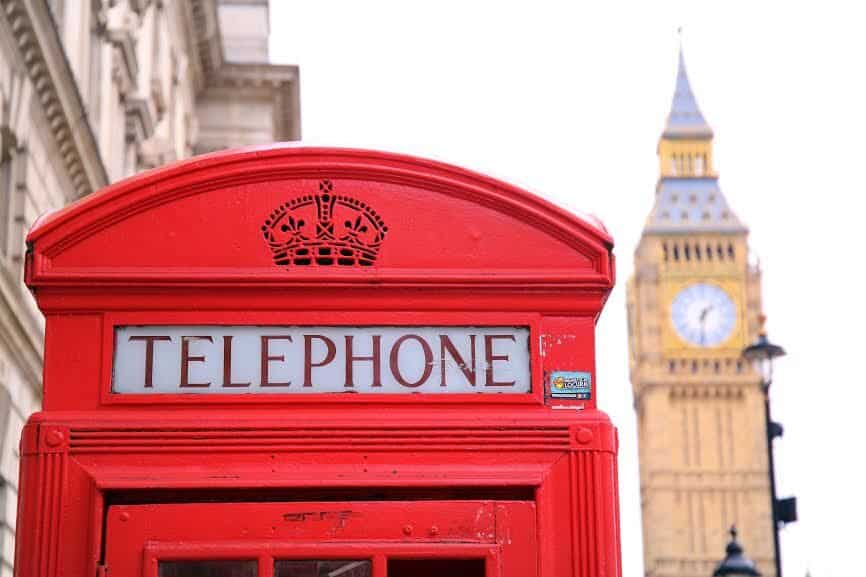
276 81
253 75
55 88
139 120
204 42
120 27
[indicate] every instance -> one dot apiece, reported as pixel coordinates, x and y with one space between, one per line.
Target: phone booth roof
199 222
319 235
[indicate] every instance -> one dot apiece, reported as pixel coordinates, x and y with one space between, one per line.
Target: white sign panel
298 360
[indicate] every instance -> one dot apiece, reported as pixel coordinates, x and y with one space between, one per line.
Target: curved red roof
225 217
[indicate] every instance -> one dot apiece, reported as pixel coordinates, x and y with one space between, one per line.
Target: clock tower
694 302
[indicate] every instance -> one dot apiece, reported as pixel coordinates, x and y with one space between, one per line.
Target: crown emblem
324 229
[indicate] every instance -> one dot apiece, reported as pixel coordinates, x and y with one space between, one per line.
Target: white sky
568 99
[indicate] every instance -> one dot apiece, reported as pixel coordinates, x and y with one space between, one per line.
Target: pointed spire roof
696 204
685 119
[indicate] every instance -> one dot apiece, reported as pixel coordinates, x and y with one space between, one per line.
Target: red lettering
490 358
148 354
186 359
227 364
395 358
445 344
308 356
375 357
267 357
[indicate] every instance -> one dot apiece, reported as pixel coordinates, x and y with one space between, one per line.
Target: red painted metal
499 531
187 244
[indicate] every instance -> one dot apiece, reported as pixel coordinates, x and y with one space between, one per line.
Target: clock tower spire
687 194
693 303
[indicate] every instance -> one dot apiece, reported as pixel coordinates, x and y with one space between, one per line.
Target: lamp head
762 352
735 563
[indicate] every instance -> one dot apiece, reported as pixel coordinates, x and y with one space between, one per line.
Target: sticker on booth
323 359
571 385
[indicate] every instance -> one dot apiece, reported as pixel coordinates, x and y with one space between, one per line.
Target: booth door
322 539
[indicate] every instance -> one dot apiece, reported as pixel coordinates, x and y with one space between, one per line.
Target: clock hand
703 318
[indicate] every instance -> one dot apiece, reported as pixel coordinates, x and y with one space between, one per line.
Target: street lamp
735 564
761 353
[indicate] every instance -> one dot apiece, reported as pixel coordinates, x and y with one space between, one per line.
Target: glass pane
435 567
323 568
208 568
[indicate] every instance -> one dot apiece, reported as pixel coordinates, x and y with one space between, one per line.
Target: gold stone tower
694 302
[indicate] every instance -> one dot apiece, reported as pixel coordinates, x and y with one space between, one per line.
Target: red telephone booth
293 362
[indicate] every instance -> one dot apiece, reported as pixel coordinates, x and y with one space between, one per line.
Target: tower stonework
694 302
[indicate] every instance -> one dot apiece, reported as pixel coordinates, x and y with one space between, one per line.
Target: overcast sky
568 99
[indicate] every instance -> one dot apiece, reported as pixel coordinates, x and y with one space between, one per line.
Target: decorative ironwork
324 229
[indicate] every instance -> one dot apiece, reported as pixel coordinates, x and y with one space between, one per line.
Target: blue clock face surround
703 314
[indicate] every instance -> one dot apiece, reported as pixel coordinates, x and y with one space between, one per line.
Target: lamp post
735 564
762 353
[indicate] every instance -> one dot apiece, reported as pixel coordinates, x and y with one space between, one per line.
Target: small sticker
570 385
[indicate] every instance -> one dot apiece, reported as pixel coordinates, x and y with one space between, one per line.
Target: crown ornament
324 229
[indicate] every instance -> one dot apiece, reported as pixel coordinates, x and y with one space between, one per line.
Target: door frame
267 553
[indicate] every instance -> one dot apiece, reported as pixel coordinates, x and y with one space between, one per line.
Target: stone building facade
694 302
92 91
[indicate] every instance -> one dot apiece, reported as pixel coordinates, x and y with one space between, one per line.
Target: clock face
703 315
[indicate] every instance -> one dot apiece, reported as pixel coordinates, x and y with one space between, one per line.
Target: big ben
694 302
